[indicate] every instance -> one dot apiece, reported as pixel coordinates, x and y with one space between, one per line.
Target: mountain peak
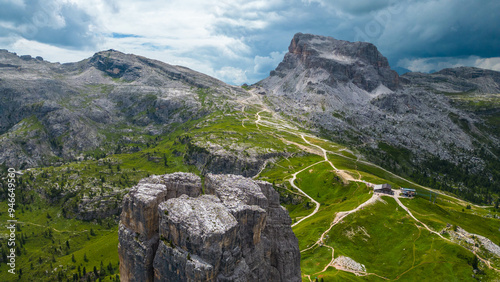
336 63
341 51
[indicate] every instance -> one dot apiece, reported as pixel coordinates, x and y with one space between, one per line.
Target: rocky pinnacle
236 230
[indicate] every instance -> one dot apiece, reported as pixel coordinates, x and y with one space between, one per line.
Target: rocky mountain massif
232 228
439 129
52 113
441 126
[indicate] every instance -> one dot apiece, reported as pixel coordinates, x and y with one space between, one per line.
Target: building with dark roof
383 188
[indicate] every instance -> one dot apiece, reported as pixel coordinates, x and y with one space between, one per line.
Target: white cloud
48 52
439 63
236 75
488 63
267 63
15 2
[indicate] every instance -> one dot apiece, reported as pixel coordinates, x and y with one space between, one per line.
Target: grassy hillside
56 240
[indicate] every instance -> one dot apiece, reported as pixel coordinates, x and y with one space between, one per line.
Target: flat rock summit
231 228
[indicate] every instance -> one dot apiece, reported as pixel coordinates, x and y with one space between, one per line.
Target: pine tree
110 268
475 262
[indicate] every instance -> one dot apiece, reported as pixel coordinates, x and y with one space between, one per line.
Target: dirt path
262 168
59 231
338 218
396 197
341 215
322 150
292 180
302 147
342 173
485 261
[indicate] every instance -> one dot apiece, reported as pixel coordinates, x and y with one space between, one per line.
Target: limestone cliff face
236 231
139 220
338 62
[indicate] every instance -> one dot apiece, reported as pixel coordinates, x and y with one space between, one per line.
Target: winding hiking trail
339 216
292 180
45 226
396 197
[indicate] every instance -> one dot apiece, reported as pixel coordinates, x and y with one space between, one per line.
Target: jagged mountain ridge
348 92
457 80
53 112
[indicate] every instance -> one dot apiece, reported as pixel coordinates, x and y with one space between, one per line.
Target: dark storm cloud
440 30
51 22
361 7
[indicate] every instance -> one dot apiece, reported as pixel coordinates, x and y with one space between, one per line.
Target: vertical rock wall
236 231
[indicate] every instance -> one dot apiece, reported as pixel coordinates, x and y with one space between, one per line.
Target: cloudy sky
241 41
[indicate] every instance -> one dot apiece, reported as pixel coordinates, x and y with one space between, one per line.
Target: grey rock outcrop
457 80
236 231
139 220
241 159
